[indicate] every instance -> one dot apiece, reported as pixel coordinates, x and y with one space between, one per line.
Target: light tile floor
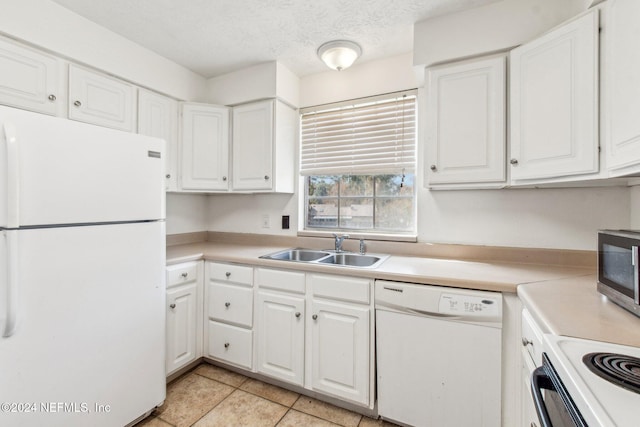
210 396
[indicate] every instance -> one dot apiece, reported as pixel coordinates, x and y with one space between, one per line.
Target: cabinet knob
433 168
266 177
228 274
52 97
172 306
224 178
184 275
226 345
526 342
77 103
227 304
514 162
168 176
314 317
298 314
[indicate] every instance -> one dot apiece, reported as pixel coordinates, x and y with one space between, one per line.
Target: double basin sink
344 259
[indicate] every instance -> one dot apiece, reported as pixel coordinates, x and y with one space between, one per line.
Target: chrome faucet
339 240
362 247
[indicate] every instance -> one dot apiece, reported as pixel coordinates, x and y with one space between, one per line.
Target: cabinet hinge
599 149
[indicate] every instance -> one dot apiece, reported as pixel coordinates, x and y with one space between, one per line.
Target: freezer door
57 171
88 348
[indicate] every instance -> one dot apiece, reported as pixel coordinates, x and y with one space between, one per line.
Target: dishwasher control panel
457 304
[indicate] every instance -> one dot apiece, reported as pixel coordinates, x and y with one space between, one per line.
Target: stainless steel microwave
618 261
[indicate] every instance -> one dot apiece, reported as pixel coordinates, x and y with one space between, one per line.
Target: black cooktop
618 369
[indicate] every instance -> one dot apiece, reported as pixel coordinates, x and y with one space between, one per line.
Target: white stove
599 401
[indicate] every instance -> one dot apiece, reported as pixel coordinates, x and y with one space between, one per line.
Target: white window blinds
367 136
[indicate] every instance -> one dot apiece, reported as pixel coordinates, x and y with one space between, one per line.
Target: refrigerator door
57 171
88 345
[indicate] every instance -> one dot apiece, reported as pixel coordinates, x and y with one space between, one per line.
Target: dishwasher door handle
425 313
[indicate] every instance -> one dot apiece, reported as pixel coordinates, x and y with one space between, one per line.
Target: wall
371 78
565 218
496 26
50 26
186 213
243 213
635 208
268 80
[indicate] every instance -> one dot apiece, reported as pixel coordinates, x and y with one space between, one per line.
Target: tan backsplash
559 257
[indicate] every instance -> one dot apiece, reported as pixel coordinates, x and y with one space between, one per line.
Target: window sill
410 238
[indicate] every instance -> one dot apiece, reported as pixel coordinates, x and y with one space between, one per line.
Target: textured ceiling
214 37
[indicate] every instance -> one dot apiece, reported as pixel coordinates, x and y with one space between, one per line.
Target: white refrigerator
82 287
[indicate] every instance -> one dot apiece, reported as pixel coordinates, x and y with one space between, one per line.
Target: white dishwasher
438 355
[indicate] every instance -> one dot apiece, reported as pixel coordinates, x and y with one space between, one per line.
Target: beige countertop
492 276
573 307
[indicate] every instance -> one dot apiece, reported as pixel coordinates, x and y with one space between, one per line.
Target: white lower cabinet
339 337
280 324
184 315
228 325
280 329
340 350
230 343
531 338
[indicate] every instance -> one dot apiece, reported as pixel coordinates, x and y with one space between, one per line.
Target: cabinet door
528 410
280 332
230 303
101 100
554 102
466 141
158 116
230 344
30 79
205 147
253 146
181 326
340 350
621 87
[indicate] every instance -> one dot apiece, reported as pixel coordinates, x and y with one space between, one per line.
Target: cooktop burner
618 369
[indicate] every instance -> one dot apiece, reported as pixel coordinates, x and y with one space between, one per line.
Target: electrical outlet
266 223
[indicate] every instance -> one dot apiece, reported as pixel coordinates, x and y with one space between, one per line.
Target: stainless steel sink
304 255
343 259
351 260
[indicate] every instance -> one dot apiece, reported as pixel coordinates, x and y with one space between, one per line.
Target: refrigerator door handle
13 182
10 284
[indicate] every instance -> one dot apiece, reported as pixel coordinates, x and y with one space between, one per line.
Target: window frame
373 233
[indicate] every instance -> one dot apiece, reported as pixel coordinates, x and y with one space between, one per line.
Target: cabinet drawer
230 303
230 343
341 288
288 281
531 337
231 273
181 274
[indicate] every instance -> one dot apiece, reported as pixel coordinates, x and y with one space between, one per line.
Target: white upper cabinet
621 86
31 80
263 146
204 147
466 141
158 116
101 100
554 102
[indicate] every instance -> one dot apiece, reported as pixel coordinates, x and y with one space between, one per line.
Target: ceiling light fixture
339 54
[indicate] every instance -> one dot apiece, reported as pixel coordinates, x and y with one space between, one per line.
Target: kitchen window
358 159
